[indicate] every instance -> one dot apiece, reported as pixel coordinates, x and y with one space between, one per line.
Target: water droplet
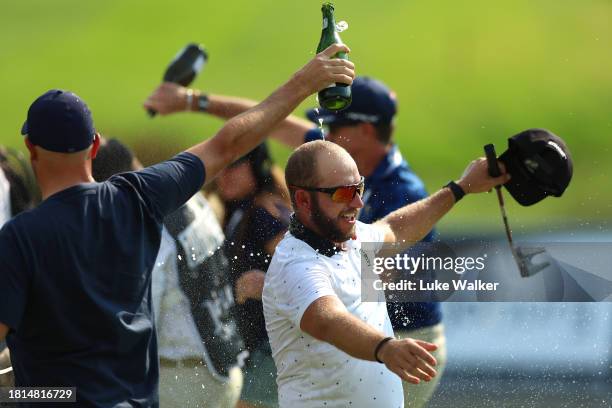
341 26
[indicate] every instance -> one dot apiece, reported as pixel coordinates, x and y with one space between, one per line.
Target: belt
185 362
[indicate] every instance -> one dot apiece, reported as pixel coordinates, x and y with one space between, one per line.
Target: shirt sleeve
371 234
166 186
314 134
14 279
300 290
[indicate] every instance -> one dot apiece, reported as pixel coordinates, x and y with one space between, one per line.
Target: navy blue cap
59 121
372 102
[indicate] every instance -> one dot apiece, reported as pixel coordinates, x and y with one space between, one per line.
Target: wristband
456 190
379 346
189 98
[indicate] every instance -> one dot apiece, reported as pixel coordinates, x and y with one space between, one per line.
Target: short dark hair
384 132
113 157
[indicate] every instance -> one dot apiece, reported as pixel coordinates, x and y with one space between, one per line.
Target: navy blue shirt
75 284
393 185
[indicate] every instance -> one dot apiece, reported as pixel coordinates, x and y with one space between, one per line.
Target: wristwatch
203 103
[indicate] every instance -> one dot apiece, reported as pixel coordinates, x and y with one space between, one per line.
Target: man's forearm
355 337
290 131
413 222
226 107
248 129
245 131
327 320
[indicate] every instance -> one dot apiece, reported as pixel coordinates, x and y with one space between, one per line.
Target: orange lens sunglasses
340 194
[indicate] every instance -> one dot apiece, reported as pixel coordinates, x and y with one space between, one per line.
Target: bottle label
324 23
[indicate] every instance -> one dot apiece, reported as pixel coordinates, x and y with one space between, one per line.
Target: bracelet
456 190
189 98
379 346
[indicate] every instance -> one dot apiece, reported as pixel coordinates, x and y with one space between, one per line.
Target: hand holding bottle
324 69
335 96
168 98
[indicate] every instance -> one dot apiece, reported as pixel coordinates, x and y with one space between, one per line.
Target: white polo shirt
313 373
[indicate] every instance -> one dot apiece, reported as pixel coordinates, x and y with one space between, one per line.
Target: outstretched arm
411 223
170 98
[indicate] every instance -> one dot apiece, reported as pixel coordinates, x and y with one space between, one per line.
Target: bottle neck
329 22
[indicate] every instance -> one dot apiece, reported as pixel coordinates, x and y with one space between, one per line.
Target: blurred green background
466 73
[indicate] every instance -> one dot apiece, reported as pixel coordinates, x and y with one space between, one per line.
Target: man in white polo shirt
325 341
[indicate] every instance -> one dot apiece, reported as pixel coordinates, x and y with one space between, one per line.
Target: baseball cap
59 121
373 102
540 165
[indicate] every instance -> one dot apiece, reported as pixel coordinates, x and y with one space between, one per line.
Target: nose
357 202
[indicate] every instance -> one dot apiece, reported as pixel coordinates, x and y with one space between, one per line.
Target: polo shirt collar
314 240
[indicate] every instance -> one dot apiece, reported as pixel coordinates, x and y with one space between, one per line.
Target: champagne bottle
185 66
337 96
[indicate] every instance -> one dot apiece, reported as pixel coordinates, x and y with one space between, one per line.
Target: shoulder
369 232
295 268
294 257
26 222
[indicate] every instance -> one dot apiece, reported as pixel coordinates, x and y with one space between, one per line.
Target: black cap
373 102
540 165
59 121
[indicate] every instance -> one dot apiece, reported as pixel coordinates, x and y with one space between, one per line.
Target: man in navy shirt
75 272
365 130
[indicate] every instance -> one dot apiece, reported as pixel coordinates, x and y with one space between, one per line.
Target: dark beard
326 225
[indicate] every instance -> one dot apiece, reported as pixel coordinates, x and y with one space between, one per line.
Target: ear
95 146
303 201
368 130
31 149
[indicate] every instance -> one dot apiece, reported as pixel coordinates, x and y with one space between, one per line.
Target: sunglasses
340 194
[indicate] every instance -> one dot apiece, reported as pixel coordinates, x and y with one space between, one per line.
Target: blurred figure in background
199 346
18 192
257 216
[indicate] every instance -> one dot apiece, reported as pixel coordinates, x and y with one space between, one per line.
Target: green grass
466 73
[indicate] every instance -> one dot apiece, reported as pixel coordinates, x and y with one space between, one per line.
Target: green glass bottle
337 96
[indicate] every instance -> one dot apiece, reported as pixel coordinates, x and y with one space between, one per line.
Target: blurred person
256 218
18 190
18 193
80 262
324 339
199 347
366 130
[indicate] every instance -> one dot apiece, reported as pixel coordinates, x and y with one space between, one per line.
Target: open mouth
350 218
